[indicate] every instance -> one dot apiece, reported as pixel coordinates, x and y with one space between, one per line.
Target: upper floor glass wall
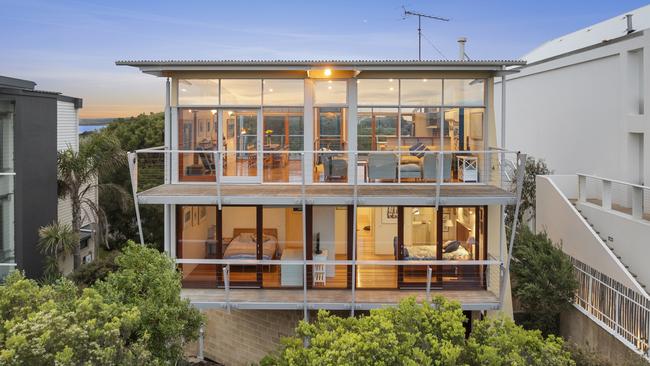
327 92
464 92
198 91
241 92
279 92
377 92
421 92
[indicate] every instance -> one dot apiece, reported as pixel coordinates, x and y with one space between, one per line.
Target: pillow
247 237
417 149
451 246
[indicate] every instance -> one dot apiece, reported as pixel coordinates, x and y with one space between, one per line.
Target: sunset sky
71 46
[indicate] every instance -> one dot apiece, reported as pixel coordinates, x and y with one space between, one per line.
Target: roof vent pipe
461 48
628 18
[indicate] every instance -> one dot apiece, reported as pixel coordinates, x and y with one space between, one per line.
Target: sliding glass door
241 131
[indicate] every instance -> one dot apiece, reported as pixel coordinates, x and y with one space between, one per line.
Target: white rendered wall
565 226
577 111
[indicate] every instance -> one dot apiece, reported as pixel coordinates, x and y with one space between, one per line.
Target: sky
71 46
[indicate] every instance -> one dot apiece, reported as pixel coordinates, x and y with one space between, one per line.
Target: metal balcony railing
433 274
157 166
623 312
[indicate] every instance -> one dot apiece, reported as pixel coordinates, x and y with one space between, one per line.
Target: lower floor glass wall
414 235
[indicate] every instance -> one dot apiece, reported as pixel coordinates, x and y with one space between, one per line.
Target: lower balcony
294 285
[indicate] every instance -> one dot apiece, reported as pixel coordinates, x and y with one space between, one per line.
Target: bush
96 270
147 280
416 334
543 280
55 324
135 316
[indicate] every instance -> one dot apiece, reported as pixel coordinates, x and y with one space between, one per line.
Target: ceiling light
229 113
183 89
391 88
329 87
328 72
424 80
213 111
390 80
271 90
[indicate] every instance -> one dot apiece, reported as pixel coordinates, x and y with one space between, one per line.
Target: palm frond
56 237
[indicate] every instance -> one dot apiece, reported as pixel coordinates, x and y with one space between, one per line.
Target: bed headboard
271 231
462 235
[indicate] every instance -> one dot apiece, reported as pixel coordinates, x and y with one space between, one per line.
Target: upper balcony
409 176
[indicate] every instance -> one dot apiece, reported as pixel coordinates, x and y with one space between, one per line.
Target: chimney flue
461 48
630 29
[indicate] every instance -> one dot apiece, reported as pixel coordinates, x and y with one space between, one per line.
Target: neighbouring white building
581 103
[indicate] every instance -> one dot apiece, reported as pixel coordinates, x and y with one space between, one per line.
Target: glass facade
241 92
198 91
465 92
421 92
377 92
413 117
416 235
328 92
283 92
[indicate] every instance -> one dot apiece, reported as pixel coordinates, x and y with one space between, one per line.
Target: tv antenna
420 15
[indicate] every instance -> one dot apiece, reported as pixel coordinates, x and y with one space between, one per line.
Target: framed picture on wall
203 213
476 125
389 215
195 215
446 222
187 216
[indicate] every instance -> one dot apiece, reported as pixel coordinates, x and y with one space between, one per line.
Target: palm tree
54 239
78 175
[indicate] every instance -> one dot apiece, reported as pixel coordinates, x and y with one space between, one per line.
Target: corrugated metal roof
317 62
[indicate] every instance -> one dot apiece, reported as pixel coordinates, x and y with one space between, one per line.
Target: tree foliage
78 173
543 279
416 334
533 168
143 131
133 317
54 324
56 238
147 280
499 341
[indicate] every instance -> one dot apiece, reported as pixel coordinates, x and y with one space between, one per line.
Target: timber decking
330 298
327 194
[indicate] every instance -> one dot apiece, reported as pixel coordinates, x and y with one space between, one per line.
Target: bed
243 244
452 250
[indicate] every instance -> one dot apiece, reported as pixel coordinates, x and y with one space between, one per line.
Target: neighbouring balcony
325 175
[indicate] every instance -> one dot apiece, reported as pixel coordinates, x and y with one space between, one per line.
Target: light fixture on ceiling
328 72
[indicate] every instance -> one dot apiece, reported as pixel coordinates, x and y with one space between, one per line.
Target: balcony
476 284
162 176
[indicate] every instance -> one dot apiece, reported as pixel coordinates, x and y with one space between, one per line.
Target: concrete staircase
611 248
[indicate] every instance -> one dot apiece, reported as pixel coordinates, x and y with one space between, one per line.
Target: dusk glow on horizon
71 46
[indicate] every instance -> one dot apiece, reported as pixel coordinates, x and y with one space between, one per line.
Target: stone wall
246 336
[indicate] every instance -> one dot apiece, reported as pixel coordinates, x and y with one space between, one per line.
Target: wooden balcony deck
326 194
330 299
